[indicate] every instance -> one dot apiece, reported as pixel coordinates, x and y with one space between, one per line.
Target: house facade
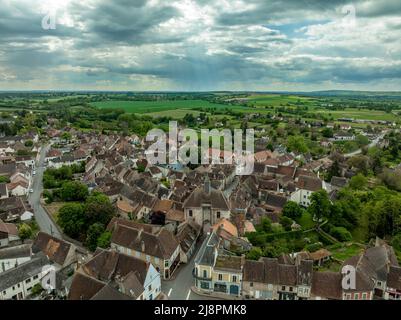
206 205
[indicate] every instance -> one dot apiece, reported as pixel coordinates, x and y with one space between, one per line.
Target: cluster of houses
164 211
293 277
23 267
17 167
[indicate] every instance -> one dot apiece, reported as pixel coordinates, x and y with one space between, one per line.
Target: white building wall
152 284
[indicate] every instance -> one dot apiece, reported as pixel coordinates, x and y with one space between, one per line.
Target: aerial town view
200 150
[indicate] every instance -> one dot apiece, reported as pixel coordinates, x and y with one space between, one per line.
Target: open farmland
157 106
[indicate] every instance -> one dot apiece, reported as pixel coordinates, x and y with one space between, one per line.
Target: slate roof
199 196
339 182
277 201
23 250
206 253
24 271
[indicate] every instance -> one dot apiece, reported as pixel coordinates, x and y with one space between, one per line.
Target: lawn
53 208
345 251
305 221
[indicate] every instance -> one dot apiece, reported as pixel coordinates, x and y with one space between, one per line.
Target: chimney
143 246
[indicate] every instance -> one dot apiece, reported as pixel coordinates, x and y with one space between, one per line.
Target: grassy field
345 252
157 106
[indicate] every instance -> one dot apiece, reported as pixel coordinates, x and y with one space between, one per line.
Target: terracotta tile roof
56 249
320 254
394 278
309 183
125 206
163 205
84 287
161 245
227 226
9 228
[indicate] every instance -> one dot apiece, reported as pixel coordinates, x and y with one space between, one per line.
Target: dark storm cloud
270 11
208 46
22 23
124 21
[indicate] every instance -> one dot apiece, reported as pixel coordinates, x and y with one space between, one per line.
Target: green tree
98 208
319 205
358 182
292 210
297 144
71 218
327 133
265 225
104 240
93 234
362 140
74 191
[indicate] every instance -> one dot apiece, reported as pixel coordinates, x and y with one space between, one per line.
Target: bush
24 231
313 247
254 254
286 223
396 242
341 234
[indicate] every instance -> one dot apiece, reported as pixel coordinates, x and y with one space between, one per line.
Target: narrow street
179 288
41 217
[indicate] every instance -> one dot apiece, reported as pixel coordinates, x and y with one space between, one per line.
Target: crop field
359 114
263 104
157 106
276 100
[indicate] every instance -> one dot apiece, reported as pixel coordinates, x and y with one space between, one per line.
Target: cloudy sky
296 45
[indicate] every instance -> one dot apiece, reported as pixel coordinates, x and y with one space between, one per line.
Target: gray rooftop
24 271
206 254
